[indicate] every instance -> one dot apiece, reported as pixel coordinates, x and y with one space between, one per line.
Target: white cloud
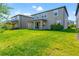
34 6
28 14
17 12
74 12
72 16
38 8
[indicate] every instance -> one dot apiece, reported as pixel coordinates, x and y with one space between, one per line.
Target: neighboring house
70 22
77 16
44 19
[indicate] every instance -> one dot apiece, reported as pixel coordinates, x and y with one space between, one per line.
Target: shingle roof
20 15
53 10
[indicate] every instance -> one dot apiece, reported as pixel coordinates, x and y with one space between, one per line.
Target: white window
44 16
37 17
55 13
58 21
33 18
17 17
14 18
40 16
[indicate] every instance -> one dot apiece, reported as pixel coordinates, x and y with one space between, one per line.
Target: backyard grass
25 42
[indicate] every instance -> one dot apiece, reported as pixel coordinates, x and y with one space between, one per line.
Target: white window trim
55 11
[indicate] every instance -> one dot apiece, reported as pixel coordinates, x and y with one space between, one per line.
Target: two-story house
43 20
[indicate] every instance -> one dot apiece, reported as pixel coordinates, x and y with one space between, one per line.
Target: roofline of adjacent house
21 15
53 10
77 9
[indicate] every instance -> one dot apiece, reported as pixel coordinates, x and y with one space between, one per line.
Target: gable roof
21 15
53 10
77 9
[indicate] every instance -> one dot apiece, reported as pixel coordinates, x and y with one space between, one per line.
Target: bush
77 30
71 26
7 26
57 27
2 30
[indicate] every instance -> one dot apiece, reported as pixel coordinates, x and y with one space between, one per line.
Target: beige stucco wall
65 18
52 19
22 21
62 17
17 22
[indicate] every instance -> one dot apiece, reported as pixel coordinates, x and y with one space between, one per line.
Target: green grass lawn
25 42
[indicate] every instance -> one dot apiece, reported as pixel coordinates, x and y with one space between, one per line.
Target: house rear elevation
43 20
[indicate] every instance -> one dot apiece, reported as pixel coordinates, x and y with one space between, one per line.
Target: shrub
7 26
77 30
71 26
1 29
57 27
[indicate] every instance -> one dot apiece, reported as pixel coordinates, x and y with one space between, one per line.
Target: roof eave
77 9
20 15
52 10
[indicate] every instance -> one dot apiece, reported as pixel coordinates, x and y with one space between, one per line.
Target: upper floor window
55 12
37 17
42 16
45 15
32 17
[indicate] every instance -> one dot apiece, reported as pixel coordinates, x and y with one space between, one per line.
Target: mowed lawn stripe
38 42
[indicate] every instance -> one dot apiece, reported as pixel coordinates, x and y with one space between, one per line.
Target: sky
32 8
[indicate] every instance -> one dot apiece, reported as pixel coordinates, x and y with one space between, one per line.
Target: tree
4 11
